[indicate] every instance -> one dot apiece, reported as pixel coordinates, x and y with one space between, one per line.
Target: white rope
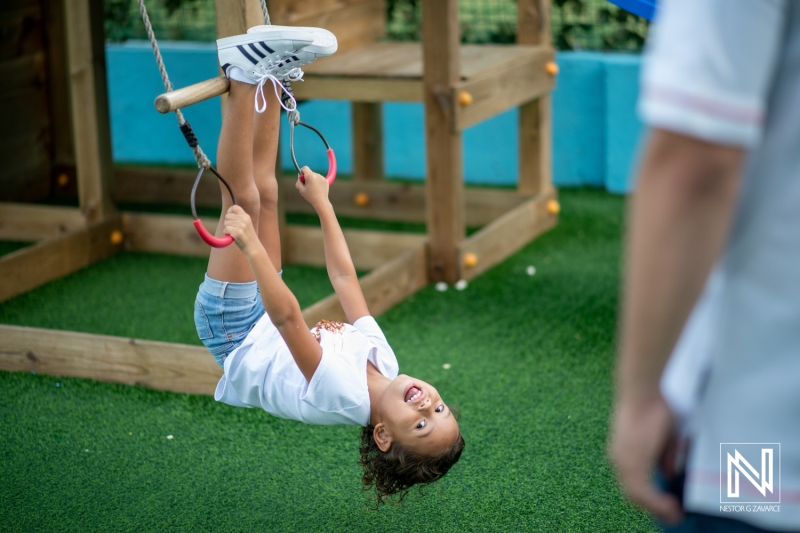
199 155
266 12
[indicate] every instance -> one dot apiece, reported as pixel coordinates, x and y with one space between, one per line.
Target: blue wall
595 127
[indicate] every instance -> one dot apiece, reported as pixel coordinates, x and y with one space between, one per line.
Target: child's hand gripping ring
331 156
216 242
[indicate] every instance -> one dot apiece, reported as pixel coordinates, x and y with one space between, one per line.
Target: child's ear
382 438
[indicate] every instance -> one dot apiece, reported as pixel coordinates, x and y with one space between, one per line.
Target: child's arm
281 305
341 271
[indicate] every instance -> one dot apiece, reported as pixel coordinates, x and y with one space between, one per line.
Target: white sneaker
256 51
324 44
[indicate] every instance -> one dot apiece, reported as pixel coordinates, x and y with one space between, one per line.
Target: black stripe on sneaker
267 48
256 50
225 68
245 54
296 58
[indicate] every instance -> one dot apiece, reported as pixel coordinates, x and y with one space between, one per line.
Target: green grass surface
531 371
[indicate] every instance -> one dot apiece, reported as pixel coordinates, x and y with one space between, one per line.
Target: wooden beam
234 17
58 78
157 365
445 176
359 89
367 141
192 94
535 147
524 80
507 234
169 234
89 99
369 249
32 222
383 288
172 234
35 265
535 128
388 200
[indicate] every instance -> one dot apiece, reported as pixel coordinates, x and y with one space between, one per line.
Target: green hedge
577 24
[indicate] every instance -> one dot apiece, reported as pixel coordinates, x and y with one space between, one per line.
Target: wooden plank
367 141
388 200
535 147
292 12
172 234
507 234
57 79
89 98
359 89
35 265
533 22
157 365
535 135
169 234
383 288
445 176
192 94
22 29
369 249
355 25
234 17
30 222
164 185
524 80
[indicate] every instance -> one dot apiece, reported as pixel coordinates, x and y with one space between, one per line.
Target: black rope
188 134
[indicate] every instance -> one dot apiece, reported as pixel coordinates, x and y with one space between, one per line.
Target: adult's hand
640 434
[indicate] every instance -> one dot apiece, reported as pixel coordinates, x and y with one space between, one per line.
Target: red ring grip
210 239
331 177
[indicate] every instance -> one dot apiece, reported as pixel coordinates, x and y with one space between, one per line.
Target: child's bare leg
265 151
235 164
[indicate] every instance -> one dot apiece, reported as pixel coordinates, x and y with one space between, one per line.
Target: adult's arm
679 221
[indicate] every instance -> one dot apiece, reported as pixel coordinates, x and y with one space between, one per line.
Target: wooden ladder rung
193 94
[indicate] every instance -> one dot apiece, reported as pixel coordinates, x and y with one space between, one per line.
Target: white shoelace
296 74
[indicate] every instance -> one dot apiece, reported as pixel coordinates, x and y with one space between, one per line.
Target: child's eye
421 425
440 409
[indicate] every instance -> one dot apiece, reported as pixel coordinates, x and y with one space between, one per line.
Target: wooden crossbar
192 94
495 242
53 258
31 222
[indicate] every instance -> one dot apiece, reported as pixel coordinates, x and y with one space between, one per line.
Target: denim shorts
224 313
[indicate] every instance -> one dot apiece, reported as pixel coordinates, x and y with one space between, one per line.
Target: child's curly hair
396 471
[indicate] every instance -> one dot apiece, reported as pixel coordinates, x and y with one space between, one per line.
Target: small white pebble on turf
446 366
441 286
531 270
169 437
461 284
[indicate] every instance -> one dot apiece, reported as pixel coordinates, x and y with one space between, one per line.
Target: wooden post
444 186
89 100
535 163
367 141
234 17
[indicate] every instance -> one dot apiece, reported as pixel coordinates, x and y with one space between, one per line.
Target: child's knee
250 201
268 193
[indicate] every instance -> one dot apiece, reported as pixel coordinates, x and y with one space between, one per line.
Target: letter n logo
750 472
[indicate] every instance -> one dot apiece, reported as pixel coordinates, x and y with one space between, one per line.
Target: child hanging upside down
251 322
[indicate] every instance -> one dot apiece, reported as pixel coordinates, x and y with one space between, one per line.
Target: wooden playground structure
68 140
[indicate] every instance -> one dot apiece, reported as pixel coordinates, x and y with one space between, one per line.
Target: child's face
414 415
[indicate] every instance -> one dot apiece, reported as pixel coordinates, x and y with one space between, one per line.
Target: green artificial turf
531 362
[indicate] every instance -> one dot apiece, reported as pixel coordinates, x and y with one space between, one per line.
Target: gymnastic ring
331 156
216 242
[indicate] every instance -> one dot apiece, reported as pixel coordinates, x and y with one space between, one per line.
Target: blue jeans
224 313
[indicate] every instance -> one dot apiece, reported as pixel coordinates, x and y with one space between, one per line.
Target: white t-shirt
728 71
261 372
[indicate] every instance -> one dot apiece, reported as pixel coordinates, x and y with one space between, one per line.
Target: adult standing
713 266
